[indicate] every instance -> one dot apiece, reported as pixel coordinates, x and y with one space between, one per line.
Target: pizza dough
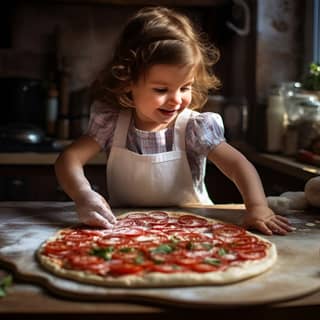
158 249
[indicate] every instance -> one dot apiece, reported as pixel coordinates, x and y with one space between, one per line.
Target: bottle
275 117
52 109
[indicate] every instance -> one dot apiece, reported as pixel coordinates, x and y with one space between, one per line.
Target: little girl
156 145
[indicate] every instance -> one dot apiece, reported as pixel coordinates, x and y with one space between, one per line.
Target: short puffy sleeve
102 123
204 132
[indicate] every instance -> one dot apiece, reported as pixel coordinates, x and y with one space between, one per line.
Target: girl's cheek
187 100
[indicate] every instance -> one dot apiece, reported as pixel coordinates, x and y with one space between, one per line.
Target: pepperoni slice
192 221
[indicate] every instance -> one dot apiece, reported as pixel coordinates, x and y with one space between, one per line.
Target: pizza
157 249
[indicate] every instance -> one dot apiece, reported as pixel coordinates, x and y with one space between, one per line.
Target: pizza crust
247 269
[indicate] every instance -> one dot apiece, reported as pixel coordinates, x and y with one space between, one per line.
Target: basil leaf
105 253
163 248
207 246
4 284
2 292
139 260
222 252
126 249
212 261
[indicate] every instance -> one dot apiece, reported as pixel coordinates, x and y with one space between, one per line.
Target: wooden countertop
25 299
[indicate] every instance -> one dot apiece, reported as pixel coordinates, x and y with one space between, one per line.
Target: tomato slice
168 268
124 223
229 231
145 222
192 221
192 236
136 215
204 267
251 255
112 240
127 231
158 215
119 267
185 261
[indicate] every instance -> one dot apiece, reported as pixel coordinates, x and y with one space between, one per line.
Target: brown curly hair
157 35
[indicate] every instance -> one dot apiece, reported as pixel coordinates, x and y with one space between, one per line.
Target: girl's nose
175 98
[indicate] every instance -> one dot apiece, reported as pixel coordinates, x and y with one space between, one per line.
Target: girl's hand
94 210
262 218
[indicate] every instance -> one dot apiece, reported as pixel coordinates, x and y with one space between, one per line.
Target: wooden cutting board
296 273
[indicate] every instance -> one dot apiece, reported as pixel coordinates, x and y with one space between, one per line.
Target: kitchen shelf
171 3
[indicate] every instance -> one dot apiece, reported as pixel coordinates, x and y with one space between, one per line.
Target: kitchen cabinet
30 176
38 182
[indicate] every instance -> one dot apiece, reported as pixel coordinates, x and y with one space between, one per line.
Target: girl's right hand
94 210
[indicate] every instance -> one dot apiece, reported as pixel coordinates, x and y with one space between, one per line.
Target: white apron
151 180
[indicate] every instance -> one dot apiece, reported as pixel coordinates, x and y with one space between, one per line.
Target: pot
22 133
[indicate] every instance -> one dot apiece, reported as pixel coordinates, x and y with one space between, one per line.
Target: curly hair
157 35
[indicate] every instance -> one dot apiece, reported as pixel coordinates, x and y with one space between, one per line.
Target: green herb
222 252
190 246
4 284
312 79
174 239
105 253
163 248
207 246
158 261
126 249
212 261
139 259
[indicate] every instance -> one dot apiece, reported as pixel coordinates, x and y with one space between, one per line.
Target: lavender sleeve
102 124
204 132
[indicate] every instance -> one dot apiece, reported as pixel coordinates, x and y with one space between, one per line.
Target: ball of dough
312 191
298 200
279 204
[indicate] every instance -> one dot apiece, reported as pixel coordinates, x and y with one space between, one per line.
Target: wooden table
27 300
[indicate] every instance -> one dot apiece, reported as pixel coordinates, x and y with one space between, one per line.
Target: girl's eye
160 90
184 89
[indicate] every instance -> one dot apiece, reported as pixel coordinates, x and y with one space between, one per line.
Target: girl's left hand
262 218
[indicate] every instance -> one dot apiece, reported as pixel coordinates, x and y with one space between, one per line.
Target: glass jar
301 117
308 123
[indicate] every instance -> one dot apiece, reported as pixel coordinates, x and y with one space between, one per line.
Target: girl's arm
91 206
238 169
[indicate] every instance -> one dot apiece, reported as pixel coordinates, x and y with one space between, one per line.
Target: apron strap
120 133
179 142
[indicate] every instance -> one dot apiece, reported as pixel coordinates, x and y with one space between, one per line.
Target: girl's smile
160 95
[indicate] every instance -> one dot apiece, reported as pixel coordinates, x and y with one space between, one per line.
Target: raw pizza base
247 269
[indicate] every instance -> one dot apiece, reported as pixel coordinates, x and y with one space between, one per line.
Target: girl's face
160 95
